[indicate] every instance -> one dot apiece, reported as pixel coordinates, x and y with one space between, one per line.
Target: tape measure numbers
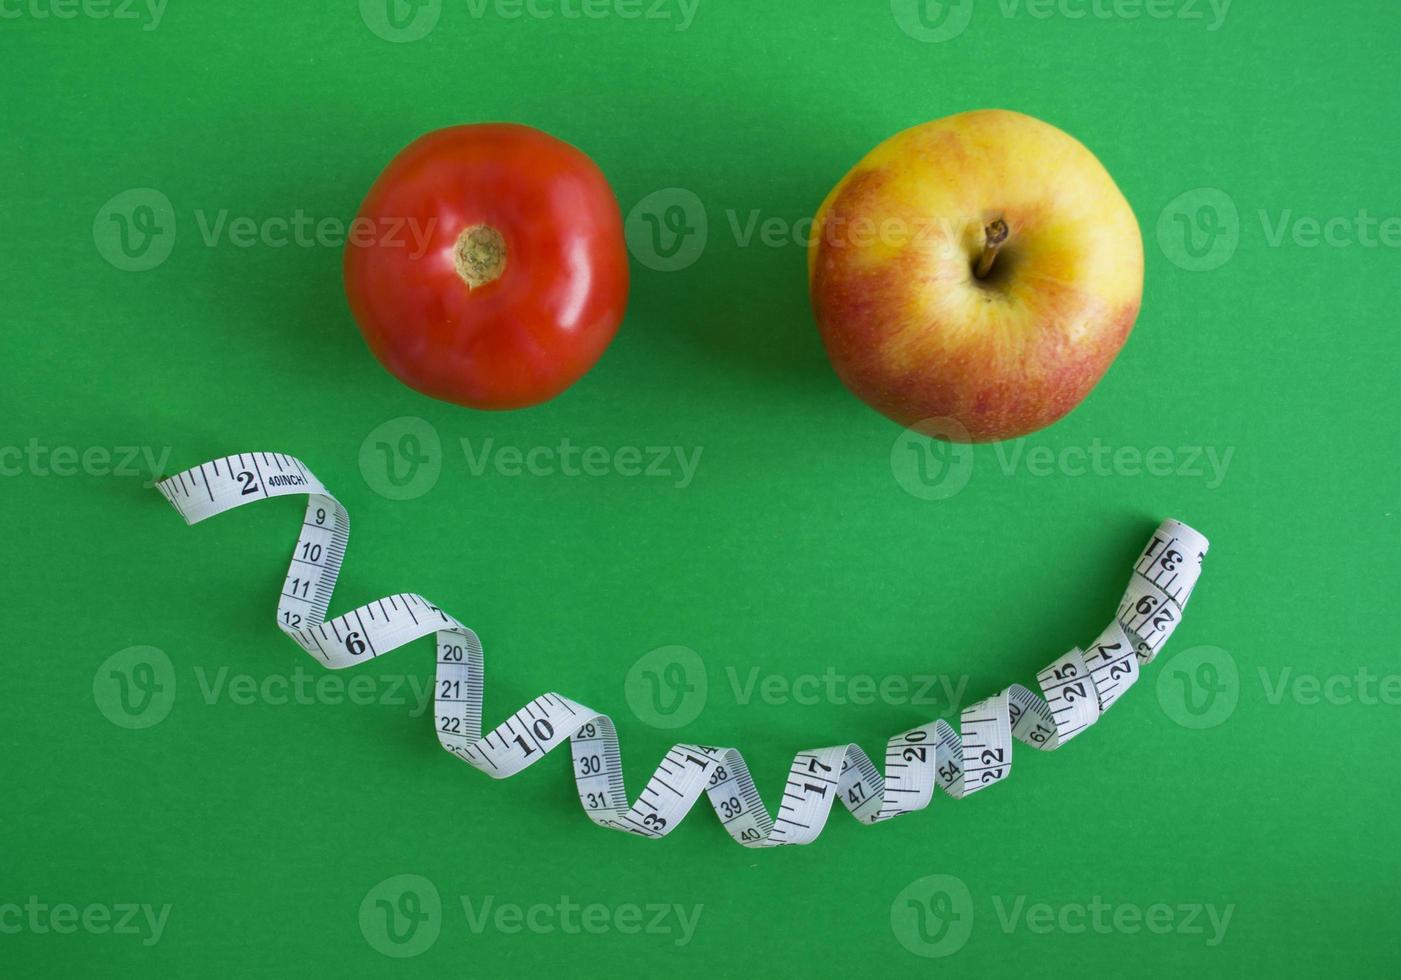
1076 688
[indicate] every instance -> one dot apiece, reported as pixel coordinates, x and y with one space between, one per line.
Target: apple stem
994 237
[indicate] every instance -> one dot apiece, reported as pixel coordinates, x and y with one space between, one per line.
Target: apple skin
910 329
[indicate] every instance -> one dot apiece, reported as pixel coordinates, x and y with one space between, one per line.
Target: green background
795 550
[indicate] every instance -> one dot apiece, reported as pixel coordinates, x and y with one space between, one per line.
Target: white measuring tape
1078 687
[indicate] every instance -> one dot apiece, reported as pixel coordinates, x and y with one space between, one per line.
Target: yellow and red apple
974 277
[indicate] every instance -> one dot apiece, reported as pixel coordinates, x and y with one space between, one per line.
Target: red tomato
487 265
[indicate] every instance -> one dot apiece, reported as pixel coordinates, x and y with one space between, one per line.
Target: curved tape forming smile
1076 688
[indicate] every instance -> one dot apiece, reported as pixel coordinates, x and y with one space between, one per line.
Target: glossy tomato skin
531 333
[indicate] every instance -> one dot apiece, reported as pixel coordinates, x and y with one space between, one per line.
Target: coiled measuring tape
1076 688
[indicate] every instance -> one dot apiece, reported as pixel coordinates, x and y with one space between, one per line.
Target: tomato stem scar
479 255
